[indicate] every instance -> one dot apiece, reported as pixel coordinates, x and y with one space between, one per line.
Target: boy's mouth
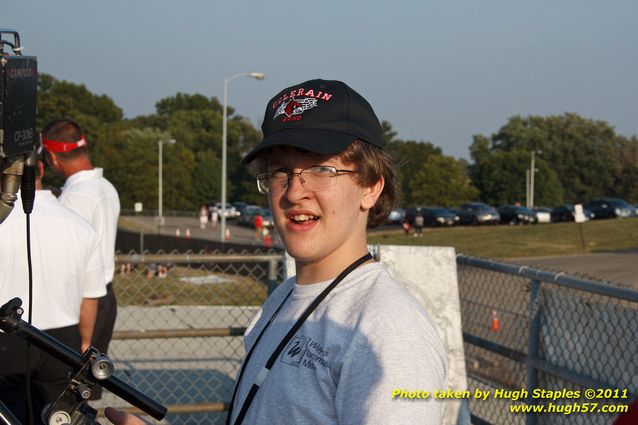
303 218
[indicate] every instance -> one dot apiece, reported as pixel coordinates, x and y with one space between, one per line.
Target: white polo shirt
67 264
93 197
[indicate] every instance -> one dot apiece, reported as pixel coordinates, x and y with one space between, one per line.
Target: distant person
203 217
88 193
68 279
406 226
419 221
214 216
259 226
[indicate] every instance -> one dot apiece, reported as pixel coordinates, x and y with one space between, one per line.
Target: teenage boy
341 340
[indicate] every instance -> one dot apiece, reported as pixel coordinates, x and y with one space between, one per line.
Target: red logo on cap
295 107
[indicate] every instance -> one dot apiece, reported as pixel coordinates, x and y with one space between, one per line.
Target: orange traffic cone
227 235
495 323
267 241
187 234
177 233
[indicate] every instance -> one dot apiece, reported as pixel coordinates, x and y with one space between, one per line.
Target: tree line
577 159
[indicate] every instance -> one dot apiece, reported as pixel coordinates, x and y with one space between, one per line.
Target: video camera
18 91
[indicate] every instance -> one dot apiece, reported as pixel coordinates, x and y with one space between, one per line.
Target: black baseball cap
321 116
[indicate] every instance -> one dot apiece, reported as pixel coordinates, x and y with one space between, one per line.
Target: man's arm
88 313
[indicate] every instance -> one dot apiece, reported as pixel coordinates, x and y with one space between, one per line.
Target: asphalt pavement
616 267
620 267
183 227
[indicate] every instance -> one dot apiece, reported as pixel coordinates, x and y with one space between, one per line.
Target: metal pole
257 76
224 135
533 346
527 188
532 172
159 179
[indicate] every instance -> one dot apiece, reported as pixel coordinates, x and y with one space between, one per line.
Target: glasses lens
319 178
272 181
262 184
313 178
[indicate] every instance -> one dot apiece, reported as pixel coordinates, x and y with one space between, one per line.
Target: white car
231 211
543 215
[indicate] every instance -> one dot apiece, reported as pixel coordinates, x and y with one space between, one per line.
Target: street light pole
257 76
160 217
532 172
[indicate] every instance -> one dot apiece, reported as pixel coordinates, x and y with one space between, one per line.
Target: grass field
523 241
177 288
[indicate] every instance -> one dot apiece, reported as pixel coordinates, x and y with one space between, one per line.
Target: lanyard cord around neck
263 373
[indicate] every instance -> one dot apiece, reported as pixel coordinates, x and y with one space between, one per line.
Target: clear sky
439 71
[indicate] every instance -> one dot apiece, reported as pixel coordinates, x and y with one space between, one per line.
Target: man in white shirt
68 279
88 193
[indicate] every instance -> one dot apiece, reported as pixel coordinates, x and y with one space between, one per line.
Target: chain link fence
525 328
181 318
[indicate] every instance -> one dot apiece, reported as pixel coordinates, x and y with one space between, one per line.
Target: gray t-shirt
368 338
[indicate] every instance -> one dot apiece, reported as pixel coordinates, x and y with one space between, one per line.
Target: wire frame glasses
315 178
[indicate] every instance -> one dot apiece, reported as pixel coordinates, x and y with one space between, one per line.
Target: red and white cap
57 146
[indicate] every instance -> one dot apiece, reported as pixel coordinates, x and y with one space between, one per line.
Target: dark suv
514 214
610 208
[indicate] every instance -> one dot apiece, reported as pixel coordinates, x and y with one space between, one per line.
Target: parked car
455 212
435 216
610 208
513 214
269 221
478 213
247 215
567 212
543 214
239 206
231 211
396 216
251 211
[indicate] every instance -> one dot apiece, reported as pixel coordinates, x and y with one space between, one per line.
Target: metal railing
182 316
526 328
181 320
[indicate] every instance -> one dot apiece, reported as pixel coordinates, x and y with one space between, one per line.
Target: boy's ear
371 194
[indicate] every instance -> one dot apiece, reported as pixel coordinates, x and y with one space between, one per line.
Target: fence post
532 347
272 275
141 252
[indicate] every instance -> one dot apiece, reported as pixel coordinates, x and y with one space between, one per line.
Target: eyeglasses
315 178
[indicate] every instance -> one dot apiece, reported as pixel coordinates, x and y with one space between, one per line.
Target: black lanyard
263 373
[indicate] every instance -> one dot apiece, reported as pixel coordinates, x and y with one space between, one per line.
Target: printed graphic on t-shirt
295 351
304 351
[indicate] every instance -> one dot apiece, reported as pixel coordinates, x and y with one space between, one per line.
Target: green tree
196 123
626 179
99 117
579 151
133 167
501 179
409 156
442 181
206 177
